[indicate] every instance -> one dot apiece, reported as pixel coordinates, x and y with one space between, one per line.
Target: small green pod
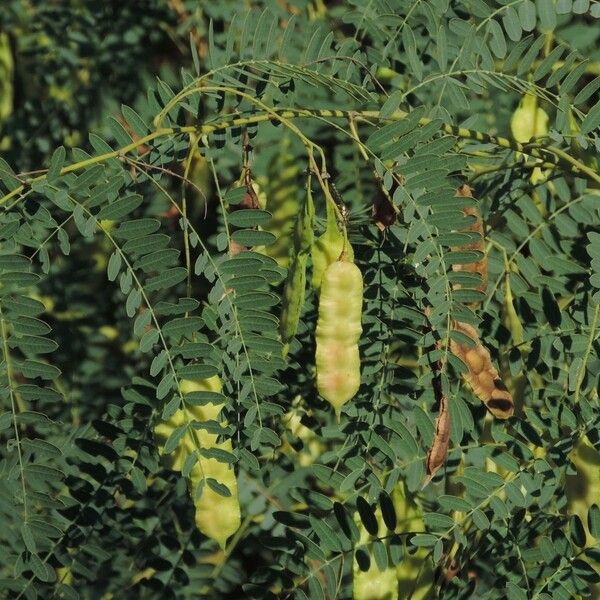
281 189
293 299
162 432
218 517
338 331
583 489
328 248
7 67
529 120
295 285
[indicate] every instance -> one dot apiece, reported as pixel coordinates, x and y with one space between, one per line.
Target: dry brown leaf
384 213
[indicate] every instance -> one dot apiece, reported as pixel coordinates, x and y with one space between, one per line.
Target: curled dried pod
436 457
482 376
254 198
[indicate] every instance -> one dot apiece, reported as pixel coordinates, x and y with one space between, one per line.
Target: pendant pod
300 442
295 285
511 318
583 489
415 572
218 517
338 331
328 248
373 584
281 191
436 457
6 78
530 120
479 267
293 299
482 376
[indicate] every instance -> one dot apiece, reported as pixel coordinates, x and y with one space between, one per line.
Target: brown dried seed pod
481 266
475 360
436 457
482 375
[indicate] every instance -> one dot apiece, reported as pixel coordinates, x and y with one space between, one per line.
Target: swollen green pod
218 517
415 572
295 285
338 331
530 120
373 584
583 489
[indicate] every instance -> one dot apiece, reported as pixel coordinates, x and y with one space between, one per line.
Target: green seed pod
373 584
301 443
6 78
530 120
328 248
218 517
293 298
295 285
163 430
583 489
338 331
415 573
281 189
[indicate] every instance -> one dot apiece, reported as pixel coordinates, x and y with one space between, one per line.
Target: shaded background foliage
100 515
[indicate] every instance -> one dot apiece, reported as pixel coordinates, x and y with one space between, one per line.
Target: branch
533 148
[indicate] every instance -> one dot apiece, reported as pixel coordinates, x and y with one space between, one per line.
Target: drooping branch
535 148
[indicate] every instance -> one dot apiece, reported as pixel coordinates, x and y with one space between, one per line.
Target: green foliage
134 260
